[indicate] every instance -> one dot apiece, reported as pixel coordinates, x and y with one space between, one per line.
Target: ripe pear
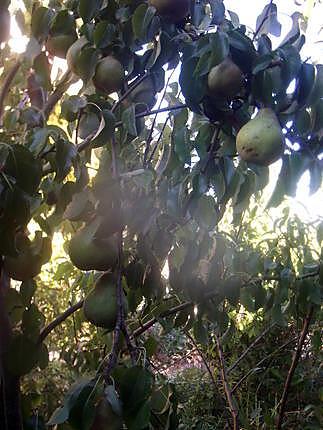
87 252
100 305
109 75
261 140
58 45
225 80
173 10
105 418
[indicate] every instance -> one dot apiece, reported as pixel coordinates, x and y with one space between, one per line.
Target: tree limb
57 321
294 363
58 93
6 86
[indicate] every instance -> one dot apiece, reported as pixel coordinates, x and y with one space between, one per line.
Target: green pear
105 418
100 306
87 252
225 80
109 75
172 10
59 45
261 140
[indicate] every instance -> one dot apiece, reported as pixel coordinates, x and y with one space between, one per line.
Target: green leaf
200 332
103 34
129 120
43 70
66 154
88 9
134 386
141 21
267 21
22 355
40 22
24 168
306 83
205 213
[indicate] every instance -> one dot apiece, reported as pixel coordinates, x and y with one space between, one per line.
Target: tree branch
57 321
206 364
6 86
129 91
250 347
140 330
58 93
237 385
227 390
296 357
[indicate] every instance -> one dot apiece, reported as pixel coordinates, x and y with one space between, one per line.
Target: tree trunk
10 408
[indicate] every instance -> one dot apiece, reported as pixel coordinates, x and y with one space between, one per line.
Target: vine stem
294 363
226 386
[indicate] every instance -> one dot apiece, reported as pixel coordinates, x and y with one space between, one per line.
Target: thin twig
226 386
213 145
149 138
6 86
140 330
206 364
158 140
250 347
237 385
294 363
129 91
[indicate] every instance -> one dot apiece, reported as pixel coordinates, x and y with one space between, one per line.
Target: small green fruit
73 53
109 75
225 80
105 418
90 253
261 140
173 10
59 45
100 306
144 93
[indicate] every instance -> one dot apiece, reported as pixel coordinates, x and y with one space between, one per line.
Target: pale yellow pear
261 140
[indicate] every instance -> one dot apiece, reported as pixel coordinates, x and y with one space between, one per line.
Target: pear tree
179 114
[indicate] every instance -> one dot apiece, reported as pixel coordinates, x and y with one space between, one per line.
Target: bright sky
307 207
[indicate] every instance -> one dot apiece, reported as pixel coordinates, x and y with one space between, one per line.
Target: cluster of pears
91 249
109 73
173 10
31 255
261 140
